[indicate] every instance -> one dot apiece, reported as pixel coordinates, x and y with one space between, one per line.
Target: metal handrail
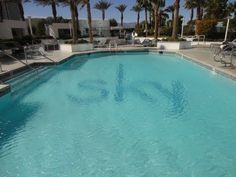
39 51
30 67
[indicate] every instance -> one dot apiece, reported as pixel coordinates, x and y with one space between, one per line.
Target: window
17 32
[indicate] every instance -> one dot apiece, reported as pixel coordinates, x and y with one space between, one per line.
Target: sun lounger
102 44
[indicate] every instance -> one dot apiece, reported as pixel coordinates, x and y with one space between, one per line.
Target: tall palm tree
73 7
146 5
121 8
199 5
176 19
102 5
171 9
232 8
190 5
52 3
75 10
87 4
156 4
137 8
216 9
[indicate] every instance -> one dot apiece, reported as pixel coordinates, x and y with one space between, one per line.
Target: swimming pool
124 114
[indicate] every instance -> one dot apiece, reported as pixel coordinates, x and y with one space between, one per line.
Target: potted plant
78 46
171 44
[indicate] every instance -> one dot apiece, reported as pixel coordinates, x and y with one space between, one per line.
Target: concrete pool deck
202 56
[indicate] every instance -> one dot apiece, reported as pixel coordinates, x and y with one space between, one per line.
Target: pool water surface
120 115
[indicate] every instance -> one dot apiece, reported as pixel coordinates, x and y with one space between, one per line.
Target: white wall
7 25
99 27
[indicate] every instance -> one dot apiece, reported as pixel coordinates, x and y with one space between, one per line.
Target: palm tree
137 8
216 9
232 8
146 5
51 3
75 10
190 5
121 8
73 7
87 3
199 4
176 19
156 4
171 9
102 5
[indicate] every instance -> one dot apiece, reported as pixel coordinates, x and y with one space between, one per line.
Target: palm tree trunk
103 15
199 12
122 19
54 10
153 18
191 14
21 8
202 12
77 18
89 21
150 17
172 19
74 25
138 18
146 21
176 20
156 23
159 23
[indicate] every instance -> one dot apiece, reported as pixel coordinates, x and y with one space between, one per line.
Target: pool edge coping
5 88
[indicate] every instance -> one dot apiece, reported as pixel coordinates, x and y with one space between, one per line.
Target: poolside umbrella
51 32
30 25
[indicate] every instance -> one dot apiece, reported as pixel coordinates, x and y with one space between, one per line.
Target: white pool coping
60 57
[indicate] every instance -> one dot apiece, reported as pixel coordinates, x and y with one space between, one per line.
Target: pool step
24 78
24 75
22 85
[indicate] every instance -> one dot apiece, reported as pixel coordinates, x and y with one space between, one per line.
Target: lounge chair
102 44
50 44
224 51
147 43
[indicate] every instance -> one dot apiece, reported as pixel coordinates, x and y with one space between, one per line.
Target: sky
129 16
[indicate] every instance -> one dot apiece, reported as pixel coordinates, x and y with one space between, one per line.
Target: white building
100 28
11 23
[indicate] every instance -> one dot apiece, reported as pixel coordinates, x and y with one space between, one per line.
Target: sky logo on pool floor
96 89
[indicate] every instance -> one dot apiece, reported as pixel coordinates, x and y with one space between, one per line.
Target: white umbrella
51 32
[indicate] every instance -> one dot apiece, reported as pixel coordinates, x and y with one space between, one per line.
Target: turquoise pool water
122 115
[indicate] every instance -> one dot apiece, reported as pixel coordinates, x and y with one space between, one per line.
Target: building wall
6 27
10 10
100 28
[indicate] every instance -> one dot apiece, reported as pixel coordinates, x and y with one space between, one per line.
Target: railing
30 50
14 58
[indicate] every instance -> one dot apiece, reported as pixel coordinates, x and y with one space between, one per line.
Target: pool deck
201 56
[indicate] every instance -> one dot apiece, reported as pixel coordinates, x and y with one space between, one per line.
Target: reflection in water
175 96
90 86
119 86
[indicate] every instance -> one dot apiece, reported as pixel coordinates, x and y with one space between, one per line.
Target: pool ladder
16 59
